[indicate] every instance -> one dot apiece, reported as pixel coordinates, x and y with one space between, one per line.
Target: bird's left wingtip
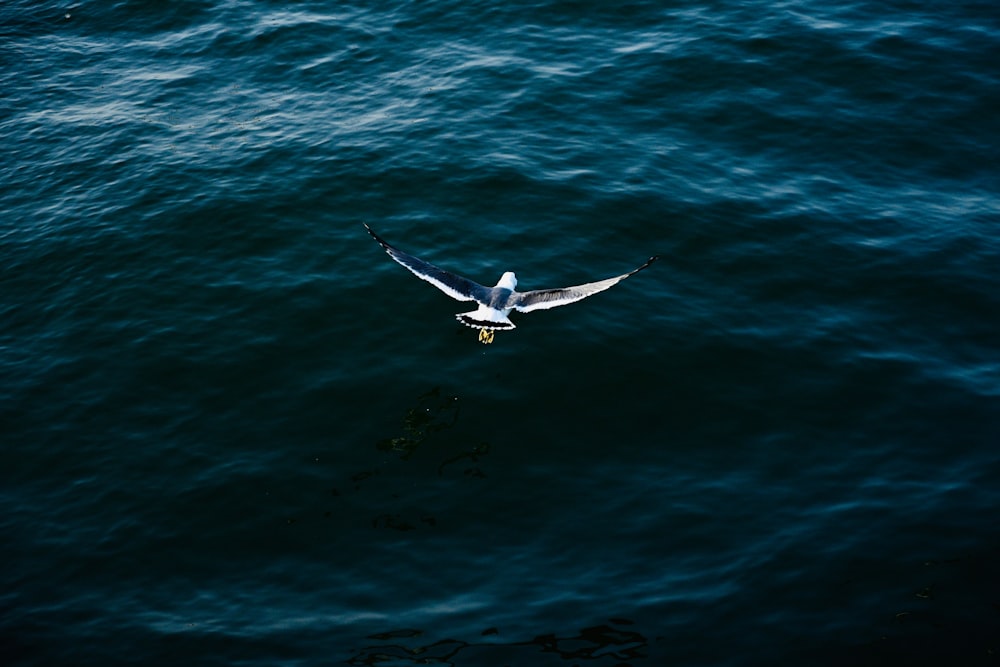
376 236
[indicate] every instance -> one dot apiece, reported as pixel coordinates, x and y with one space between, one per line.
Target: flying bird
495 303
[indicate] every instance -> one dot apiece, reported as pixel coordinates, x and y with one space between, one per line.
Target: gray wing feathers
457 287
550 298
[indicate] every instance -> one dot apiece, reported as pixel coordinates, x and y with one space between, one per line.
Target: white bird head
507 281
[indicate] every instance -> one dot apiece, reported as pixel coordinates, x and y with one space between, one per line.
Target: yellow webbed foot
485 336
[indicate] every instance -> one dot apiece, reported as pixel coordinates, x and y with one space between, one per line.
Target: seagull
495 303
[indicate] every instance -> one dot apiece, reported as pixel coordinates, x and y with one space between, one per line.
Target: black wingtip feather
376 236
648 262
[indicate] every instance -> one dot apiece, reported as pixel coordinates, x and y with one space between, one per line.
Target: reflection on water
951 615
433 412
603 644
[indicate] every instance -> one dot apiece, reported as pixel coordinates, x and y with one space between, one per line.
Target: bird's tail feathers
475 320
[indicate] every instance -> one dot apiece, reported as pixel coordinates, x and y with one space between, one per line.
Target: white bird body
496 303
487 316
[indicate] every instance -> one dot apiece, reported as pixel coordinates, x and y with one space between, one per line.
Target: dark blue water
234 432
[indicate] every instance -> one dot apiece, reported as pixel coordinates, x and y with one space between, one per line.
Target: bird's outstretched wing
454 286
550 298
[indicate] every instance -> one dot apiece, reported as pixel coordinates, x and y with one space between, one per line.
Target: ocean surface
234 432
